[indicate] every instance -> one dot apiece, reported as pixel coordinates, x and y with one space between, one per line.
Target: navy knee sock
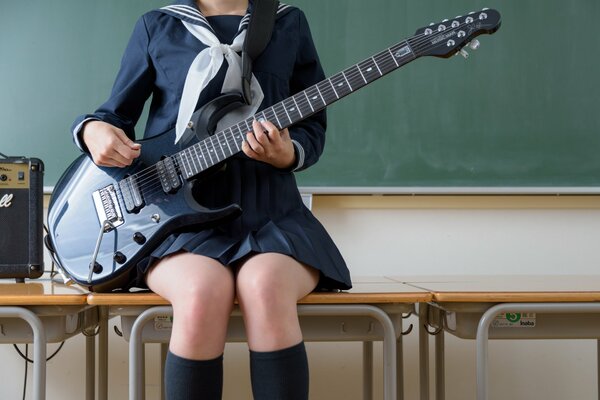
280 375
193 379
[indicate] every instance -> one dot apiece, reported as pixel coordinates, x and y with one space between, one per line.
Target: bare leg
201 291
269 286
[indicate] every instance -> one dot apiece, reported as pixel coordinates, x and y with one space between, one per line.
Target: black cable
30 360
3 155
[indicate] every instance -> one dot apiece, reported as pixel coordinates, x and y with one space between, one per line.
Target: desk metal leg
39 347
103 353
399 365
367 370
423 352
90 367
136 345
440 378
487 318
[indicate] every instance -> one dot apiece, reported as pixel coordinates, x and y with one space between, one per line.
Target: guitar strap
259 31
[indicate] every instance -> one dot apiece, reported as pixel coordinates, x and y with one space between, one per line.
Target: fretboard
226 143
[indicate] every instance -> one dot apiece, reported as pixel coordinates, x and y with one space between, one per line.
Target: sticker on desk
163 323
514 320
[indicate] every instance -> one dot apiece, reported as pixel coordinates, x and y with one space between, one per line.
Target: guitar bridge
107 207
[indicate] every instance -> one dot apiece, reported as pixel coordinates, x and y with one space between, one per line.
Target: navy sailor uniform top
274 218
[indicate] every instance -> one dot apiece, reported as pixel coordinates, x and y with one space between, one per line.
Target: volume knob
119 257
139 238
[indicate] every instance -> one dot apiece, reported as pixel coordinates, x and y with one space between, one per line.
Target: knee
203 299
262 290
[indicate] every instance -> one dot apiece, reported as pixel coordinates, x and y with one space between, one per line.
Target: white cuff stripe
77 129
300 161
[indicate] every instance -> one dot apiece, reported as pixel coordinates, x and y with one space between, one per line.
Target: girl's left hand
268 144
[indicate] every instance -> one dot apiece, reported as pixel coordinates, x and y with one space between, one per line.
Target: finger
254 144
125 139
260 133
248 150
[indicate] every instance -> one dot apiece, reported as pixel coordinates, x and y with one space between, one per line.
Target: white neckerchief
205 67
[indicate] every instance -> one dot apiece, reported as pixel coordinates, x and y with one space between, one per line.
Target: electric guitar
103 221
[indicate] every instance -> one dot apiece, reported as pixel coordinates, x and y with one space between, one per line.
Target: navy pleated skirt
274 220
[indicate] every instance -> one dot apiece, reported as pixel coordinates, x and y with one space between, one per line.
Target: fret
183 166
292 109
238 139
392 57
347 82
361 74
206 152
385 62
375 62
271 117
297 108
279 124
218 138
198 147
340 84
188 165
402 52
194 149
227 141
324 89
195 160
333 87
213 150
282 105
368 70
309 101
316 103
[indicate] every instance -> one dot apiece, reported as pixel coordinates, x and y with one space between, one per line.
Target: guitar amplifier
21 218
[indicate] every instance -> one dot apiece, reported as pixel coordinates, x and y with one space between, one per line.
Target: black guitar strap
260 28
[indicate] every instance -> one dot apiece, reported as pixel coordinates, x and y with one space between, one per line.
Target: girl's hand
268 144
108 145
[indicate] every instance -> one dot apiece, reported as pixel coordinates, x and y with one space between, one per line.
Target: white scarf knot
205 67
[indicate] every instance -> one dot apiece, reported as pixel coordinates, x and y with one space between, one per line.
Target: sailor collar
187 10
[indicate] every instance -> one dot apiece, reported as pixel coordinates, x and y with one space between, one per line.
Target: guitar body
74 222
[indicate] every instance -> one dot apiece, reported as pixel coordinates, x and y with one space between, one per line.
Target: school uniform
163 60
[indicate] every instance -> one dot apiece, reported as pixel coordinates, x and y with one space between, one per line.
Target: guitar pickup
132 196
167 173
107 207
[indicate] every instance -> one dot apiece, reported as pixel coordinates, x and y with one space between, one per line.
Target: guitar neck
228 142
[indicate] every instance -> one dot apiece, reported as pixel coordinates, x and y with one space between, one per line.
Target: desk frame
392 344
482 340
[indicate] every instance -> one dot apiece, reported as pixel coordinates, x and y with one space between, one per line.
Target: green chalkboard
521 111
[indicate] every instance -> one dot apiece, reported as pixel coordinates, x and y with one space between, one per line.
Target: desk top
509 288
40 292
366 290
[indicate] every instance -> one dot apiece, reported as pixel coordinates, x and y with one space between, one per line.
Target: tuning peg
474 44
463 53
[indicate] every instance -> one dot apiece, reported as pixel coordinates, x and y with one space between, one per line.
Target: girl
276 252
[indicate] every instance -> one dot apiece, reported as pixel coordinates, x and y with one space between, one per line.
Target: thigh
182 275
275 273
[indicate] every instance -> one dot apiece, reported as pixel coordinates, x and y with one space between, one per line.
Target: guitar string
352 75
149 186
153 182
148 180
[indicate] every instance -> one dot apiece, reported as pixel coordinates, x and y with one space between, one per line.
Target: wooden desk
41 312
372 310
472 307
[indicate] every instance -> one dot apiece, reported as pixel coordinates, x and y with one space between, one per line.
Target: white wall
406 235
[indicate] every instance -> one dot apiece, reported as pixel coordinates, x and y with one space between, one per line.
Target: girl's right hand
108 145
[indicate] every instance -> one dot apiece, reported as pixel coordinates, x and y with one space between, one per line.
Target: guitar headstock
448 37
